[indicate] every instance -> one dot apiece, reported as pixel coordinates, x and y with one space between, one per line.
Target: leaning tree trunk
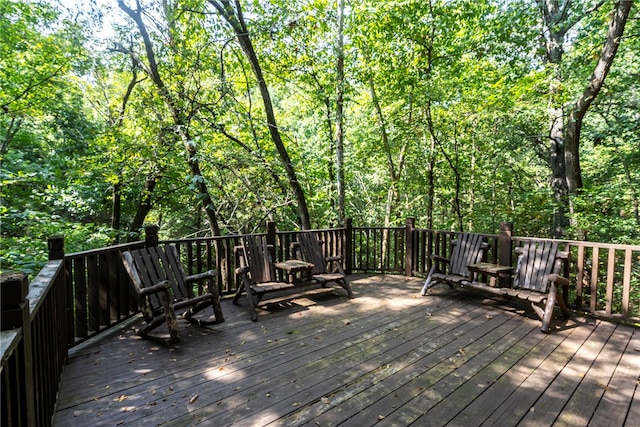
574 123
180 125
236 20
340 115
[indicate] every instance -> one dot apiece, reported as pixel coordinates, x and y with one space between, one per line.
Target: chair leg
347 287
548 309
168 316
428 282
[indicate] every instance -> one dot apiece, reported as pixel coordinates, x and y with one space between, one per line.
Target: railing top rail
9 341
584 243
106 249
41 284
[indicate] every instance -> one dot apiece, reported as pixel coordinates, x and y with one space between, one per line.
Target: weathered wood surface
388 357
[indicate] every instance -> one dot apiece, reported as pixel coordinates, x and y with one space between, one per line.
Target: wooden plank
618 393
80 298
439 372
552 403
626 283
481 395
318 357
248 360
595 260
523 401
610 279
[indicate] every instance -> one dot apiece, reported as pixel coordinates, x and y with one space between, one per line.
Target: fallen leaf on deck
122 398
194 398
381 417
325 400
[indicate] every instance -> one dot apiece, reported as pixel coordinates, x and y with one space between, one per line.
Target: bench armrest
334 258
559 279
242 270
211 274
165 285
435 257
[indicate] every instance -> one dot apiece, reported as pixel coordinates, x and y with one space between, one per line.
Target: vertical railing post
347 244
15 314
55 246
271 234
271 239
505 251
151 235
409 246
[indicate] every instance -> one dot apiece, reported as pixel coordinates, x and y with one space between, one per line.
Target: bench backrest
311 250
149 266
536 261
257 255
467 249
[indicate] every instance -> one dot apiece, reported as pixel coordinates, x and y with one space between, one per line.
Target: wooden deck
388 357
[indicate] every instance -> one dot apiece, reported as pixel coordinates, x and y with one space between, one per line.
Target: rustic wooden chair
536 279
466 249
325 269
257 272
162 287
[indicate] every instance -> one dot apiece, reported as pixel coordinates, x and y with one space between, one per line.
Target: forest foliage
215 116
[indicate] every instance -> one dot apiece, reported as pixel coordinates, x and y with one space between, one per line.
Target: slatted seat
325 269
536 279
257 272
466 249
162 288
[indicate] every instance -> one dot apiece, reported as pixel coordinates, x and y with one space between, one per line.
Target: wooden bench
258 272
325 269
466 249
536 279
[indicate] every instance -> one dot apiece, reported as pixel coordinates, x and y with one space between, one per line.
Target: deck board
388 357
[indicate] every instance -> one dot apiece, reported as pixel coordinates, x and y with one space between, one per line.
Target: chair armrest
334 258
559 279
165 285
435 257
211 274
242 270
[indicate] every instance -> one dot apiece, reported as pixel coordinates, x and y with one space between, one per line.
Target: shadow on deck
388 357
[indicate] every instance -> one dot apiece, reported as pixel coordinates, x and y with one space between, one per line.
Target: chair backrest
311 251
536 260
468 248
155 264
257 255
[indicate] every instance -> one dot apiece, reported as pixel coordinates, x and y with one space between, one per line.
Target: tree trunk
236 20
340 115
116 210
554 18
574 124
144 207
180 125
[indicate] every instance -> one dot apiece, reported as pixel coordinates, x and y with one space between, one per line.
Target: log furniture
536 279
257 272
162 288
466 249
325 269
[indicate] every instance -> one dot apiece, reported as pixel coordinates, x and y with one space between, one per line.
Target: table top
487 267
294 265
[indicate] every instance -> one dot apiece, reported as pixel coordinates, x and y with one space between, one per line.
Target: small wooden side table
295 266
492 270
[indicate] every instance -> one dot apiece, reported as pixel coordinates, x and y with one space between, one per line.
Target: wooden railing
34 345
77 296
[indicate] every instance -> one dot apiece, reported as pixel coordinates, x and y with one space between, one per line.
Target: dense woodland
210 117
